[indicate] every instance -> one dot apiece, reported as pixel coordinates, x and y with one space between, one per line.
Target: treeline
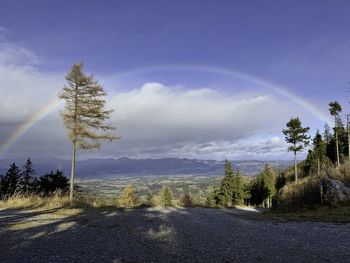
329 147
328 155
234 190
23 181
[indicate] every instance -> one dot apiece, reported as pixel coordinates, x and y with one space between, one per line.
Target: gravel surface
165 235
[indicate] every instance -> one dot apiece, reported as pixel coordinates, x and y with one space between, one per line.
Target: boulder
334 191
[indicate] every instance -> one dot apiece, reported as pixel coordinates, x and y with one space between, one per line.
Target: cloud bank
154 120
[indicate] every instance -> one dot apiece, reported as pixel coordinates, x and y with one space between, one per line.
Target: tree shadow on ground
87 235
162 235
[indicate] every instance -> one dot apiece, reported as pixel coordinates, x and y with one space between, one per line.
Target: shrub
189 200
166 196
128 197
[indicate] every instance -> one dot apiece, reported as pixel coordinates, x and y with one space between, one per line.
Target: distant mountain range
112 168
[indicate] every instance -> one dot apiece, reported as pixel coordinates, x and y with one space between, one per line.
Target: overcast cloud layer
154 120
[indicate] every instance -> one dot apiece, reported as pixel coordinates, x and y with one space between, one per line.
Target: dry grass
306 193
342 173
303 194
94 201
56 200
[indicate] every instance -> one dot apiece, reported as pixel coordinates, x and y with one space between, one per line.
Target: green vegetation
263 187
335 109
296 135
328 156
23 183
231 192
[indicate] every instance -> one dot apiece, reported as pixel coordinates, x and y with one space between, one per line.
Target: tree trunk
348 130
71 190
337 147
336 139
295 167
318 166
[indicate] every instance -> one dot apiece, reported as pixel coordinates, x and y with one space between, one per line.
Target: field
198 186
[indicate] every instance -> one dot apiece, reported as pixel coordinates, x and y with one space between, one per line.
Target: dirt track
165 235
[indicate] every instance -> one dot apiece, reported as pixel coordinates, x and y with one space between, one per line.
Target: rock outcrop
334 192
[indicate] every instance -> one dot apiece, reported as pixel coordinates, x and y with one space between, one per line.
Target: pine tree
334 109
212 198
84 115
269 180
52 182
11 180
263 187
327 136
26 179
280 181
319 149
3 187
226 189
297 136
238 191
166 196
232 190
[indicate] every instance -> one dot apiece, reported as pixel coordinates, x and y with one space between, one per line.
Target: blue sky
156 50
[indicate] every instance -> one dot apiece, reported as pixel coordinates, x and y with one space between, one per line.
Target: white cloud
24 88
159 113
154 120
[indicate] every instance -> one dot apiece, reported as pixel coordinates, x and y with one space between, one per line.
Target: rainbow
278 89
28 123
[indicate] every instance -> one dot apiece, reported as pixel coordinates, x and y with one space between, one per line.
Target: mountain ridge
107 168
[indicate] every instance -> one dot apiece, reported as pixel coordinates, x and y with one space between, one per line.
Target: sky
188 79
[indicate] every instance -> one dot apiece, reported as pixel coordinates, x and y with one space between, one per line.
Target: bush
166 196
128 197
189 200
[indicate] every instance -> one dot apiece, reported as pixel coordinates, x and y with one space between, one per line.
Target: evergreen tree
327 135
10 182
227 185
166 196
263 187
280 181
239 189
319 149
3 186
84 113
212 198
52 182
26 183
232 190
258 191
334 109
297 136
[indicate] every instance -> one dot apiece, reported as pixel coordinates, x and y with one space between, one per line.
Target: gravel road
165 235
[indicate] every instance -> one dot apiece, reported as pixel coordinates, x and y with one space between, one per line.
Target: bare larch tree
84 114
